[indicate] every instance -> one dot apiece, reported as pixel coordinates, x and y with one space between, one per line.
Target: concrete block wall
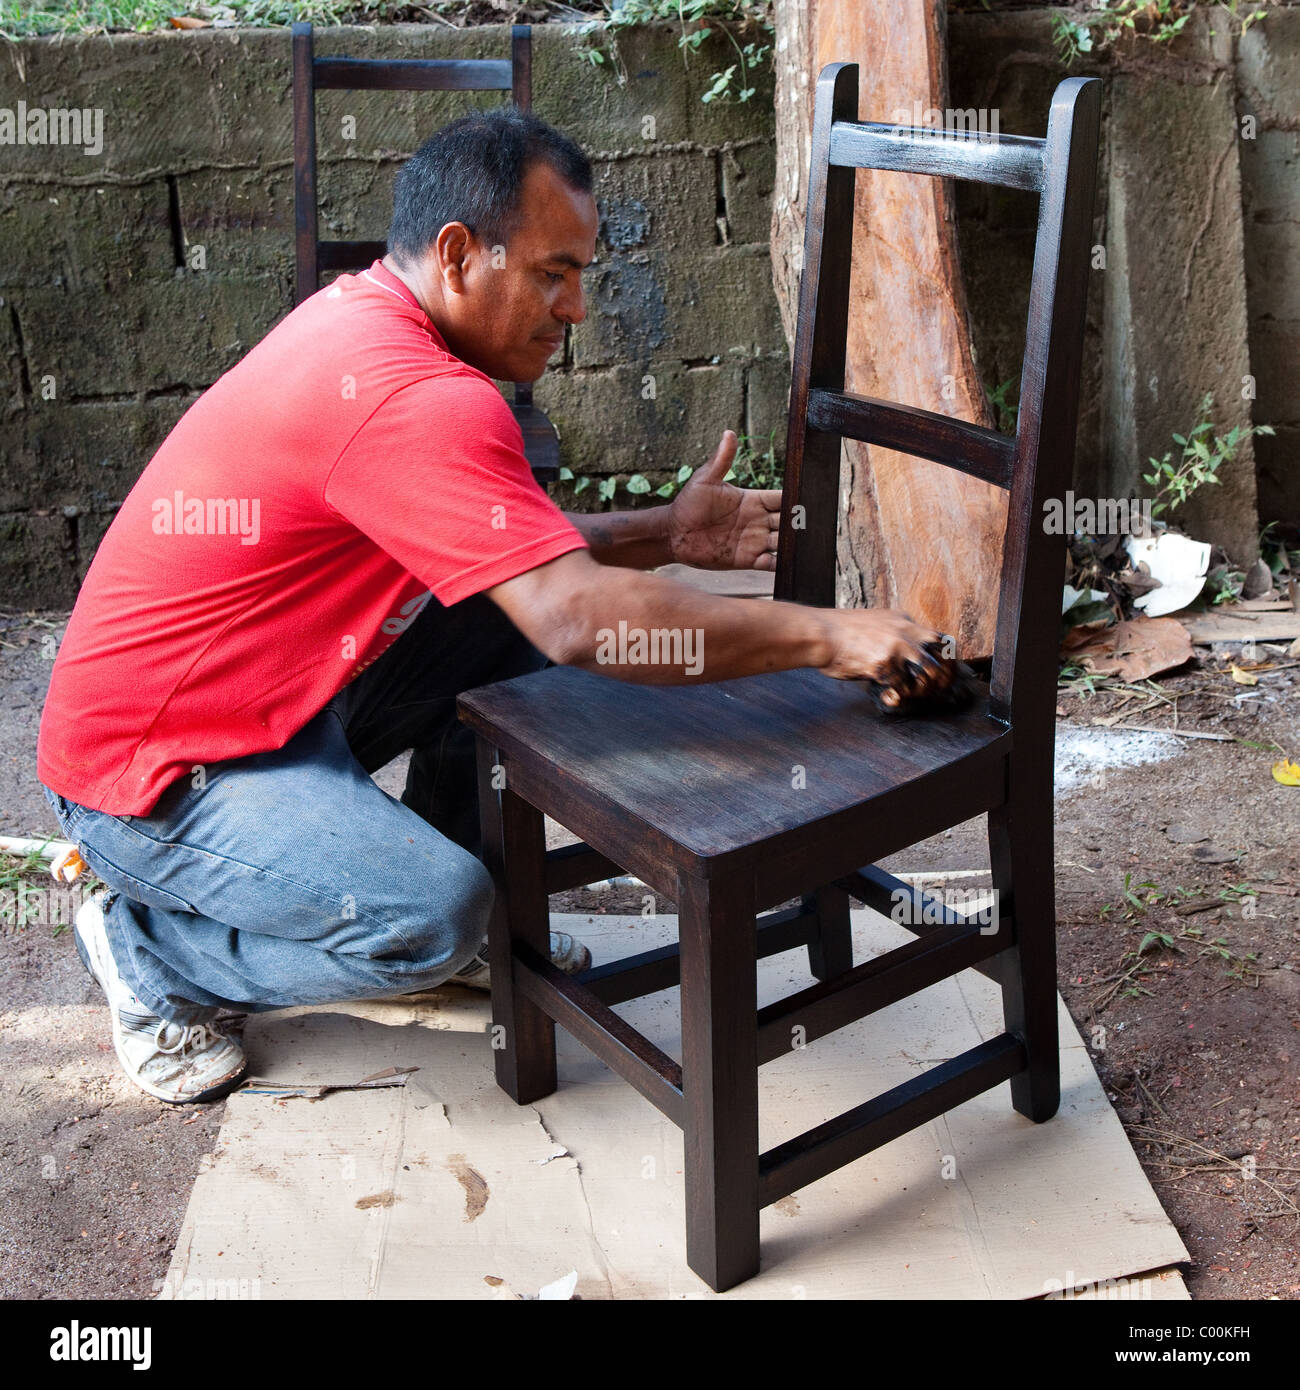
1198 288
1268 94
130 280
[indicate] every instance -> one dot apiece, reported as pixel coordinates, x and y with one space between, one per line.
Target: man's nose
574 307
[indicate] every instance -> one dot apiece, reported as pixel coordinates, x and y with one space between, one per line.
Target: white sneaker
170 1061
567 954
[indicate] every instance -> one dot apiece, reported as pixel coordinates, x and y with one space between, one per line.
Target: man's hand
714 525
884 645
569 607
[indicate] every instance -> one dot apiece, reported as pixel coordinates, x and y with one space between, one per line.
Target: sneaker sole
222 1087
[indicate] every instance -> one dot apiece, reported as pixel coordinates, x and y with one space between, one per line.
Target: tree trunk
914 535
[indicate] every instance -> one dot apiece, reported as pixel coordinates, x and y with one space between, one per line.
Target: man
336 539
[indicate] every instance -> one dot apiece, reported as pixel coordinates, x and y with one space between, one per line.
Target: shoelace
196 1035
476 965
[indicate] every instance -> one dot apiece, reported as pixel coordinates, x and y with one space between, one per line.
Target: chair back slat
1014 161
305 228
1029 610
414 74
805 570
314 257
521 65
982 453
1034 465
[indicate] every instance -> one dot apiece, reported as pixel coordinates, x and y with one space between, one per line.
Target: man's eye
552 276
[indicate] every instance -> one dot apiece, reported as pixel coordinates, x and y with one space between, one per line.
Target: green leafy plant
1203 454
1158 21
1238 11
736 82
23 879
1073 679
20 20
751 468
1133 895
1223 585
674 485
1276 554
1076 34
1003 407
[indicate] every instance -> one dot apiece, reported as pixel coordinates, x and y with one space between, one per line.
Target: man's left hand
714 525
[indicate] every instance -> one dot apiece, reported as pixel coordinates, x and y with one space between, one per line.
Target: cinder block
748 176
38 567
89 239
767 399
681 422
659 201
180 332
637 103
84 454
242 220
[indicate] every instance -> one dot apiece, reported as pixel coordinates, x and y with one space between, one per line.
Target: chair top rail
348 255
981 452
414 74
1014 161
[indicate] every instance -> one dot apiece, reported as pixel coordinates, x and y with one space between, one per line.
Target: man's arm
617 623
631 540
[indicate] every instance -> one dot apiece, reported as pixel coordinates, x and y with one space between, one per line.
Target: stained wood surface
737 795
716 767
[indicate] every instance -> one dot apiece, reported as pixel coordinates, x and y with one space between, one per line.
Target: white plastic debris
1179 563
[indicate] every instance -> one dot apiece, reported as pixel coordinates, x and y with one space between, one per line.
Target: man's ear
451 251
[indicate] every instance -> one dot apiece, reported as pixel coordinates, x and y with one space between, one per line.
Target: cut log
913 534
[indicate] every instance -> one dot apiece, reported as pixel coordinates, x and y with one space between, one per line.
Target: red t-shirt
281 539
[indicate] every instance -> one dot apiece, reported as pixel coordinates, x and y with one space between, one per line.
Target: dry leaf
187 21
1243 677
1287 772
1133 649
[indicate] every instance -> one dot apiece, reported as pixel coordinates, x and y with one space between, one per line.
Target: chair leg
1021 854
830 952
719 995
514 849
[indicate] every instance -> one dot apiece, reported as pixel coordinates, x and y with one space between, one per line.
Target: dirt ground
1187 986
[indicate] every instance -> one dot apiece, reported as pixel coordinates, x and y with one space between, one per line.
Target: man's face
507 311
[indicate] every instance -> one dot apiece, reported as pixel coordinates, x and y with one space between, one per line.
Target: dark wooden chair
314 257
691 787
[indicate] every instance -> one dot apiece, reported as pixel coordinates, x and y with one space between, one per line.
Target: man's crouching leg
285 878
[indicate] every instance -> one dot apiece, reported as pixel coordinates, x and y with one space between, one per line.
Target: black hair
472 171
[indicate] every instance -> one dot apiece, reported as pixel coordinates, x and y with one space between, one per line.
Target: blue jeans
290 877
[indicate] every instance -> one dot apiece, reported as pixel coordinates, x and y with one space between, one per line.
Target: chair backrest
312 74
313 256
1034 464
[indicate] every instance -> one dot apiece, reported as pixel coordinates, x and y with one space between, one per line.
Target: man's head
493 221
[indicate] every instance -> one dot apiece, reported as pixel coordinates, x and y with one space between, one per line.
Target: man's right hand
886 646
564 606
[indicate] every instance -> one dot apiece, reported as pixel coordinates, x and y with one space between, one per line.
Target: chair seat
718 767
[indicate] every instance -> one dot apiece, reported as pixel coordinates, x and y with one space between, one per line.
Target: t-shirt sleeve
437 476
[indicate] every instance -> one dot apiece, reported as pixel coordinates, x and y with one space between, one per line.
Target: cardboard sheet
443 1188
